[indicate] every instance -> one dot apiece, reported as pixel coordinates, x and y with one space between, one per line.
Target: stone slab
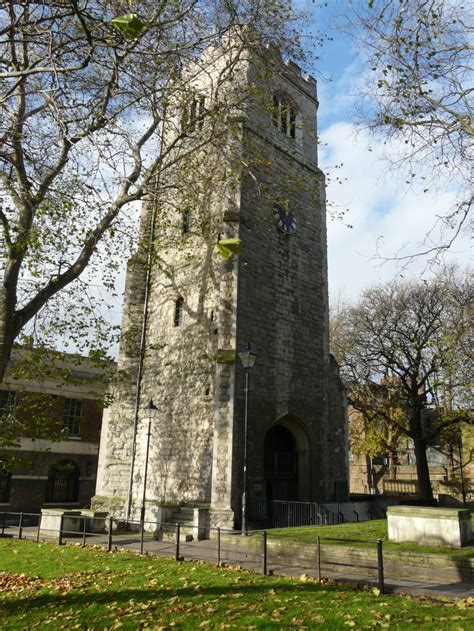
429 526
71 521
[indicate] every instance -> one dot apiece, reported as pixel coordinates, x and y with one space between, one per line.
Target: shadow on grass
117 596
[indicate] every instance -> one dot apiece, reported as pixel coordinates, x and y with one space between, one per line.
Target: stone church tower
239 161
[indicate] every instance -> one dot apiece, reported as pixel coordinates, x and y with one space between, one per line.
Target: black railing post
318 556
109 535
4 522
20 526
176 552
264 552
38 530
84 524
142 534
380 566
60 534
218 547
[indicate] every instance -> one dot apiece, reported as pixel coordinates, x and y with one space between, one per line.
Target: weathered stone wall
115 456
431 568
283 304
178 364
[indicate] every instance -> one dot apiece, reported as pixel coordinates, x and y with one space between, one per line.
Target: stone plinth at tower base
449 527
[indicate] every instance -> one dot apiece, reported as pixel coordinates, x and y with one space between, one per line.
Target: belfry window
284 116
178 312
193 111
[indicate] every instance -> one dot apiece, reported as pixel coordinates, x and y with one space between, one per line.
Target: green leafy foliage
228 247
129 24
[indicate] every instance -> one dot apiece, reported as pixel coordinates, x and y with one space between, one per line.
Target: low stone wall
352 560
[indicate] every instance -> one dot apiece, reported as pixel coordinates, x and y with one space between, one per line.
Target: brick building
65 401
255 179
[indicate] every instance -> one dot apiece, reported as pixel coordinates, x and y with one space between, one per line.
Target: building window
284 116
7 402
5 482
72 416
63 483
178 312
193 112
187 222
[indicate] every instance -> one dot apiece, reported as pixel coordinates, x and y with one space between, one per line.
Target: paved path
206 550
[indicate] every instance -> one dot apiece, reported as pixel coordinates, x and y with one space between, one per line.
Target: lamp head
248 357
150 406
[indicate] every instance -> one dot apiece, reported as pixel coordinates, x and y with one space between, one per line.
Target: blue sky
387 216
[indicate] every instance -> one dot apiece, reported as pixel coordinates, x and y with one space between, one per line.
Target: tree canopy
83 92
405 350
419 93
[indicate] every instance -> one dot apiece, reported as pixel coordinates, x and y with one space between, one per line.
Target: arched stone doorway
281 464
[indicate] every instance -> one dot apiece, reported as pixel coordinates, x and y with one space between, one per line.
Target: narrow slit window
178 312
200 112
187 222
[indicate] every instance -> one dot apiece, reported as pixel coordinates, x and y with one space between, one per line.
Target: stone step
168 532
183 513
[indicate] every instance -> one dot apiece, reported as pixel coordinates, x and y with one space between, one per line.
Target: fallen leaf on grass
18 582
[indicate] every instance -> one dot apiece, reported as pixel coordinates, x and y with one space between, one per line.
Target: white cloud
386 215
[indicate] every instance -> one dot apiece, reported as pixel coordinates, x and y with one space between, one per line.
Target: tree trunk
422 471
6 330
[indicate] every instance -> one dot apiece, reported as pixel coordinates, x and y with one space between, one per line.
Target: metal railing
265 513
287 514
262 551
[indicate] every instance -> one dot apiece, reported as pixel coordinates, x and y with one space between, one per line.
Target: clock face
284 219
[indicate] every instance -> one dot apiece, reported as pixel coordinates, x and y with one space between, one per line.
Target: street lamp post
248 358
463 487
150 408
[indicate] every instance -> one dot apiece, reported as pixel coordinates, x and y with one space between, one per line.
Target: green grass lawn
45 586
367 530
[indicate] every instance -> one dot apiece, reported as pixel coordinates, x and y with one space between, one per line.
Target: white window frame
73 412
